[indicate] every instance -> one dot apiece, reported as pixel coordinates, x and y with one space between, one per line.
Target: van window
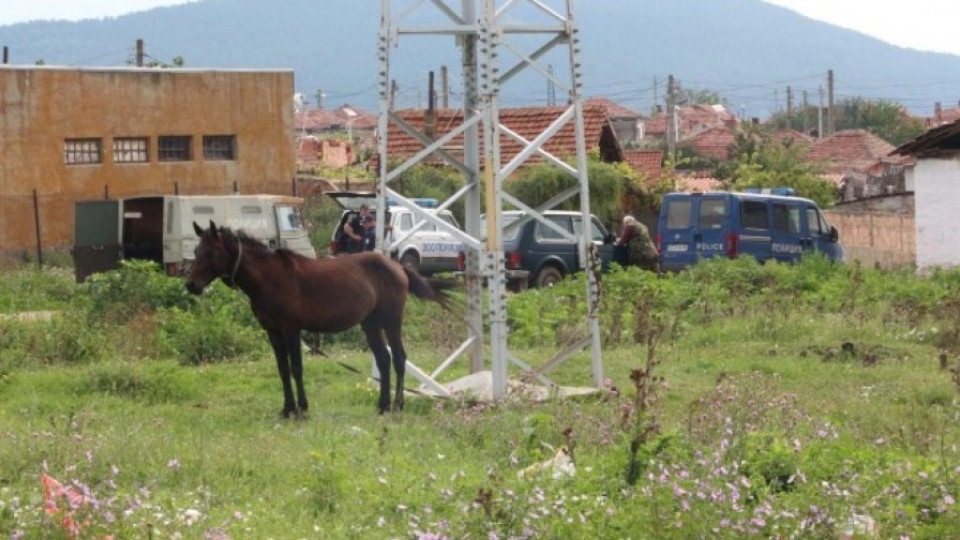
816 221
754 215
288 218
678 214
713 212
250 209
786 218
170 217
202 209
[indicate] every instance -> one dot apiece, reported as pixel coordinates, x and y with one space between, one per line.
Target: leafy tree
608 183
769 164
885 119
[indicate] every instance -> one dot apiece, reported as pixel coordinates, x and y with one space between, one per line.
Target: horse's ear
213 229
197 229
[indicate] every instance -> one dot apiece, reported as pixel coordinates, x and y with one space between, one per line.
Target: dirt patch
28 316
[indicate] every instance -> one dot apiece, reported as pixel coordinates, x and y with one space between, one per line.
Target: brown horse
290 293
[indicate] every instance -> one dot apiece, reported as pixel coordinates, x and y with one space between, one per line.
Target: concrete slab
479 387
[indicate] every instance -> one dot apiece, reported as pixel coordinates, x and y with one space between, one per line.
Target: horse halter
236 266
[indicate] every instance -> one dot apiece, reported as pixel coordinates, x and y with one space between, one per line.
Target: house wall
937 188
877 232
41 107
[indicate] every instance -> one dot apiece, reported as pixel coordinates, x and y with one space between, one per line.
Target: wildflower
381 522
174 464
190 516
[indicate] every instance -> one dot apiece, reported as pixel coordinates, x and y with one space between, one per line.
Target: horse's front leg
296 368
280 350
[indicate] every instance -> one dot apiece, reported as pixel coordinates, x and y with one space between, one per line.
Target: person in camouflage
636 245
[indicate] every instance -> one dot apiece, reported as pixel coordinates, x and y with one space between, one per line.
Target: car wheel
548 276
411 261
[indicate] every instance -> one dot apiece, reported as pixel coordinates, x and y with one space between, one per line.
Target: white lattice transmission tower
499 41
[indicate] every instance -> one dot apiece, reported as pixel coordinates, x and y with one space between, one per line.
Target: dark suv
531 246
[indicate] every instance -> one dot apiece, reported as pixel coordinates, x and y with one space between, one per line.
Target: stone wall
878 232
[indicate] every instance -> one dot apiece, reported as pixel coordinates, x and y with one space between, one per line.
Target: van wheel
411 261
548 276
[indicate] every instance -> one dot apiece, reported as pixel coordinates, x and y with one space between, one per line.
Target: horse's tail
433 290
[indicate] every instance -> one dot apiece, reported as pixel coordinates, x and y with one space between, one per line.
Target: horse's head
211 258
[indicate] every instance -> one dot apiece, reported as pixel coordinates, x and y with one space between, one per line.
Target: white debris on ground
479 387
559 466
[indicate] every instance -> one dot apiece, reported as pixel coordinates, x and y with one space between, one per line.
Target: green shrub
136 286
67 338
209 335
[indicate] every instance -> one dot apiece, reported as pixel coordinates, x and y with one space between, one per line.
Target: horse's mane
249 242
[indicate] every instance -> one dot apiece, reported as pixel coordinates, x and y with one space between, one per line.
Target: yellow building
69 134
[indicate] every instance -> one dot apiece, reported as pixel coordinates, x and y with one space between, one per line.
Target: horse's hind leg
279 343
399 364
296 368
382 356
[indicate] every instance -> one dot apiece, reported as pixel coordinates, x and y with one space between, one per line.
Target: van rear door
96 244
676 232
712 226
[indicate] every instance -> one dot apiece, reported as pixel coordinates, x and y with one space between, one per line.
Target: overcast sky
928 25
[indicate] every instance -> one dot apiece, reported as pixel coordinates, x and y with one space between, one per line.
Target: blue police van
695 226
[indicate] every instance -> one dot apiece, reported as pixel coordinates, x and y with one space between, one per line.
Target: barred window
174 148
81 151
130 150
219 147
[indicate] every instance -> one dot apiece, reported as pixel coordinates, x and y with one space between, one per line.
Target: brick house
74 134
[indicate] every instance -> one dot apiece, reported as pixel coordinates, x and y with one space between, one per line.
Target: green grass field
751 418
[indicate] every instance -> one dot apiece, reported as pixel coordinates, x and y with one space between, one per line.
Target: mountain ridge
747 51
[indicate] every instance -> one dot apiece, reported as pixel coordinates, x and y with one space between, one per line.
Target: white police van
160 228
420 245
766 226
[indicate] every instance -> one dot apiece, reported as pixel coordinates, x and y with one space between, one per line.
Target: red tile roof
692 119
698 182
528 122
791 136
647 162
851 150
614 110
712 142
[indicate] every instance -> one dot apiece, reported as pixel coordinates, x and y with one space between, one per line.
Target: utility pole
671 118
551 88
444 88
820 114
831 111
806 107
789 108
655 99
